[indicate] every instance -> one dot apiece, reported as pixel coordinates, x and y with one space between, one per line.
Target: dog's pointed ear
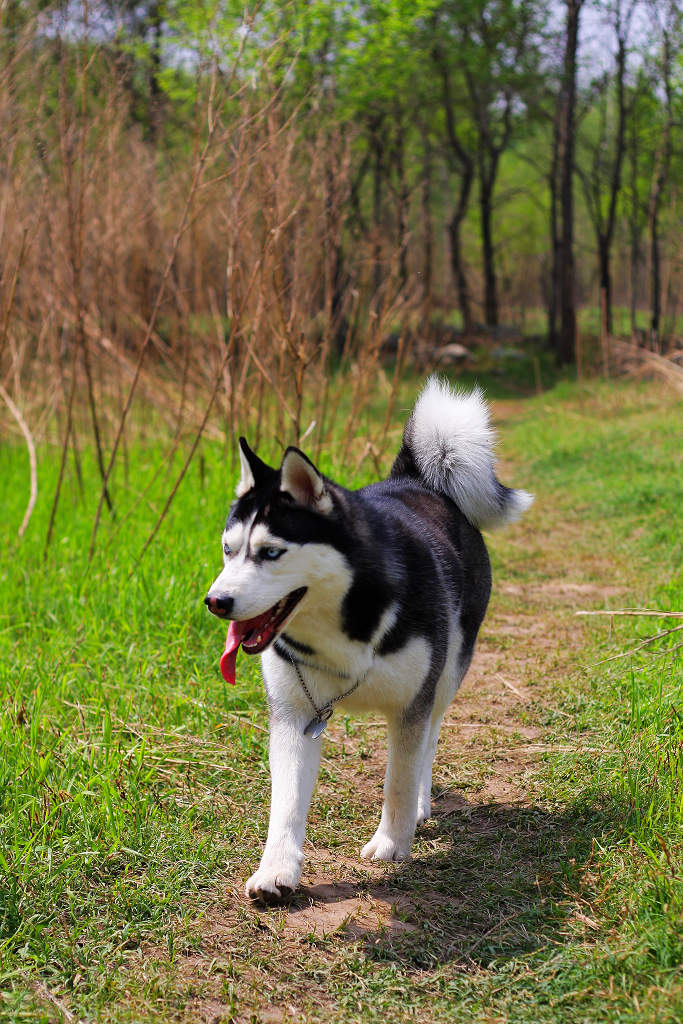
300 478
254 470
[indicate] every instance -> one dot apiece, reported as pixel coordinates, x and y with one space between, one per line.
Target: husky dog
362 600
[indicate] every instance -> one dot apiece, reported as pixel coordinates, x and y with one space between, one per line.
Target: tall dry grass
191 292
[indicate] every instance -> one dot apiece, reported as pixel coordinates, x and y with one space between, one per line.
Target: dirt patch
333 907
490 742
572 594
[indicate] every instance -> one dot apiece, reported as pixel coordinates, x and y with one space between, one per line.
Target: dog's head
280 539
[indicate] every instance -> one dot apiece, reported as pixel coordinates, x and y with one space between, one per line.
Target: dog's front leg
394 836
294 763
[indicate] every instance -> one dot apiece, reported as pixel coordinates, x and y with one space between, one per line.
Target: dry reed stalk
76 224
4 326
330 409
385 307
33 465
395 382
195 443
65 448
157 393
337 191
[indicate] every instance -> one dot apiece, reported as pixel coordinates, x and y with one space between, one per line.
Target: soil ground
490 737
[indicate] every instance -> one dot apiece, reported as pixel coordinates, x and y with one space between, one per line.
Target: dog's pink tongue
236 631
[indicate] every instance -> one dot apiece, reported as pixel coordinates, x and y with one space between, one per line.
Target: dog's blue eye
271 553
226 549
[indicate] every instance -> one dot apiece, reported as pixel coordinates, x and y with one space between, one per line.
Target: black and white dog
362 600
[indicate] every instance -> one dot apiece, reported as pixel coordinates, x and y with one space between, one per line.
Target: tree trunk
604 225
462 161
661 176
605 281
554 284
427 226
402 209
377 171
155 90
605 243
655 280
486 181
566 342
455 245
634 234
662 165
334 260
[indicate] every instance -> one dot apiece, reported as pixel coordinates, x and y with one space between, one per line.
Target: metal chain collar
317 725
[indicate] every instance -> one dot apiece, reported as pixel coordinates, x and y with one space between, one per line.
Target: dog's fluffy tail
448 442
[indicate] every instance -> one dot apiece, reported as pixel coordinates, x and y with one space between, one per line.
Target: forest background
210 212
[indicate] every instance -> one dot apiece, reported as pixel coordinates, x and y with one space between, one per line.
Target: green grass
590 321
133 782
535 321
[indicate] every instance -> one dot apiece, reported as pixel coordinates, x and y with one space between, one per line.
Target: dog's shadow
486 881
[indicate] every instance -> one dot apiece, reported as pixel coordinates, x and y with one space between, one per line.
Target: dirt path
484 819
491 741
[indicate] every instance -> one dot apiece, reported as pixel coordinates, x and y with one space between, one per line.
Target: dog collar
282 647
317 725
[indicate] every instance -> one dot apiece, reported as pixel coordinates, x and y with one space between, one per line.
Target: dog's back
425 521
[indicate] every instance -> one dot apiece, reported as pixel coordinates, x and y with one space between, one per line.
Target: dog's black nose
221 606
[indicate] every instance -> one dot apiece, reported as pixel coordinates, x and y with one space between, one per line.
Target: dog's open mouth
255 634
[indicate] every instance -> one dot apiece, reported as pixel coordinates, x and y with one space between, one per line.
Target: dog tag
316 727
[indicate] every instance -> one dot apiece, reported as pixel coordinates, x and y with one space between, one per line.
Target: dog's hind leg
446 690
424 800
294 762
407 748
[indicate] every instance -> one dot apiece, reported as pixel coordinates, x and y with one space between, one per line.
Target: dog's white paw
385 847
272 884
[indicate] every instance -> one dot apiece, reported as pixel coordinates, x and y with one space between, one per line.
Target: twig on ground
192 763
645 643
651 612
242 721
42 992
509 686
